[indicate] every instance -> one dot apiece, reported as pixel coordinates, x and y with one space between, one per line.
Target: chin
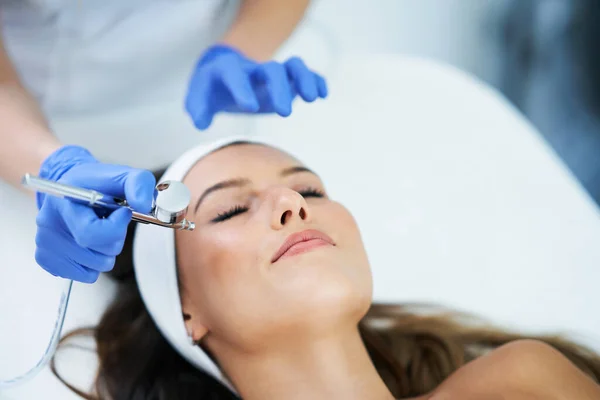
342 302
316 309
323 288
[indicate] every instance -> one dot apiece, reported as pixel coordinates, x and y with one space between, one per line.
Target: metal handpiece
169 209
171 201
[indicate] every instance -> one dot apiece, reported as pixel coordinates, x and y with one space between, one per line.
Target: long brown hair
413 351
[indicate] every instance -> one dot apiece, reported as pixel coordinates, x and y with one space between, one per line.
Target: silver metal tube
184 224
60 189
96 199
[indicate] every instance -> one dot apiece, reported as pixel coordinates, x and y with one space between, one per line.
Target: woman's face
271 255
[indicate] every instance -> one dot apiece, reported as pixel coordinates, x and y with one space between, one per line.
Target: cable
52 345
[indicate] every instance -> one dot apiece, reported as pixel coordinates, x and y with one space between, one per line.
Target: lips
301 242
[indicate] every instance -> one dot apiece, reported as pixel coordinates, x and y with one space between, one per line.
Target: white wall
459 32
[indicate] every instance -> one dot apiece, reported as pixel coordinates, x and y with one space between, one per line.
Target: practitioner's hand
72 240
226 81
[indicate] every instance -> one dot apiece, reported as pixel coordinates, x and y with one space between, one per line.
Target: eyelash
236 210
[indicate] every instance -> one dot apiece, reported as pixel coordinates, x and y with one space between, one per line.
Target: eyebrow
240 182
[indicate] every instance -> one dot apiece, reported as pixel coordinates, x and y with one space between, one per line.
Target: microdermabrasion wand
169 209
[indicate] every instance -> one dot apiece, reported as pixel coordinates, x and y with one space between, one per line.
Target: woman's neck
331 368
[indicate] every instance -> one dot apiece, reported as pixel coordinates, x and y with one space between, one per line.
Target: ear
195 329
192 318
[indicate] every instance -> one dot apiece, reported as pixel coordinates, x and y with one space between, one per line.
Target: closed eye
238 209
235 210
312 192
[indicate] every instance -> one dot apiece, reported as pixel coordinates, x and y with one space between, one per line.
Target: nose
288 207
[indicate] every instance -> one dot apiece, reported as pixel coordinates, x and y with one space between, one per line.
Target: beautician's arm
25 137
263 25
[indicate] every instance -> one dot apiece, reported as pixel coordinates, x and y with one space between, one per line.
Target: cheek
348 235
220 269
331 281
353 256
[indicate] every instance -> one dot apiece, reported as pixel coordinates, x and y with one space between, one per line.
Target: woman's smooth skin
520 370
288 324
289 329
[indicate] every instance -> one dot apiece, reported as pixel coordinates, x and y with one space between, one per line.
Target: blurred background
543 55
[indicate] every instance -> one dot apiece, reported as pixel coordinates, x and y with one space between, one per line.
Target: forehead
245 160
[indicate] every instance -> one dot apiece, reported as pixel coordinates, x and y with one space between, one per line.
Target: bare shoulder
523 369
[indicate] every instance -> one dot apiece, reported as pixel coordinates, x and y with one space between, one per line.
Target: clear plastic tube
52 345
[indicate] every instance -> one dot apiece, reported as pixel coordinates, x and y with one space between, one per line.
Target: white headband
156 270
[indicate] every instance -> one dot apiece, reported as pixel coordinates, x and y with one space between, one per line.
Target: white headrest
156 270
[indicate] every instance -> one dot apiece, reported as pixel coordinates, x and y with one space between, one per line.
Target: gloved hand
72 240
225 80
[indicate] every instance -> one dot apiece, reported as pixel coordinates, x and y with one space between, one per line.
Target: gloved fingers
197 102
135 185
304 81
103 235
321 86
139 190
238 83
59 265
64 243
277 85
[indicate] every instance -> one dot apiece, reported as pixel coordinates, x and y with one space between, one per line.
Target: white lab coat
119 68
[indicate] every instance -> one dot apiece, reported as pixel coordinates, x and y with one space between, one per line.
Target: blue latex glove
227 81
72 240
